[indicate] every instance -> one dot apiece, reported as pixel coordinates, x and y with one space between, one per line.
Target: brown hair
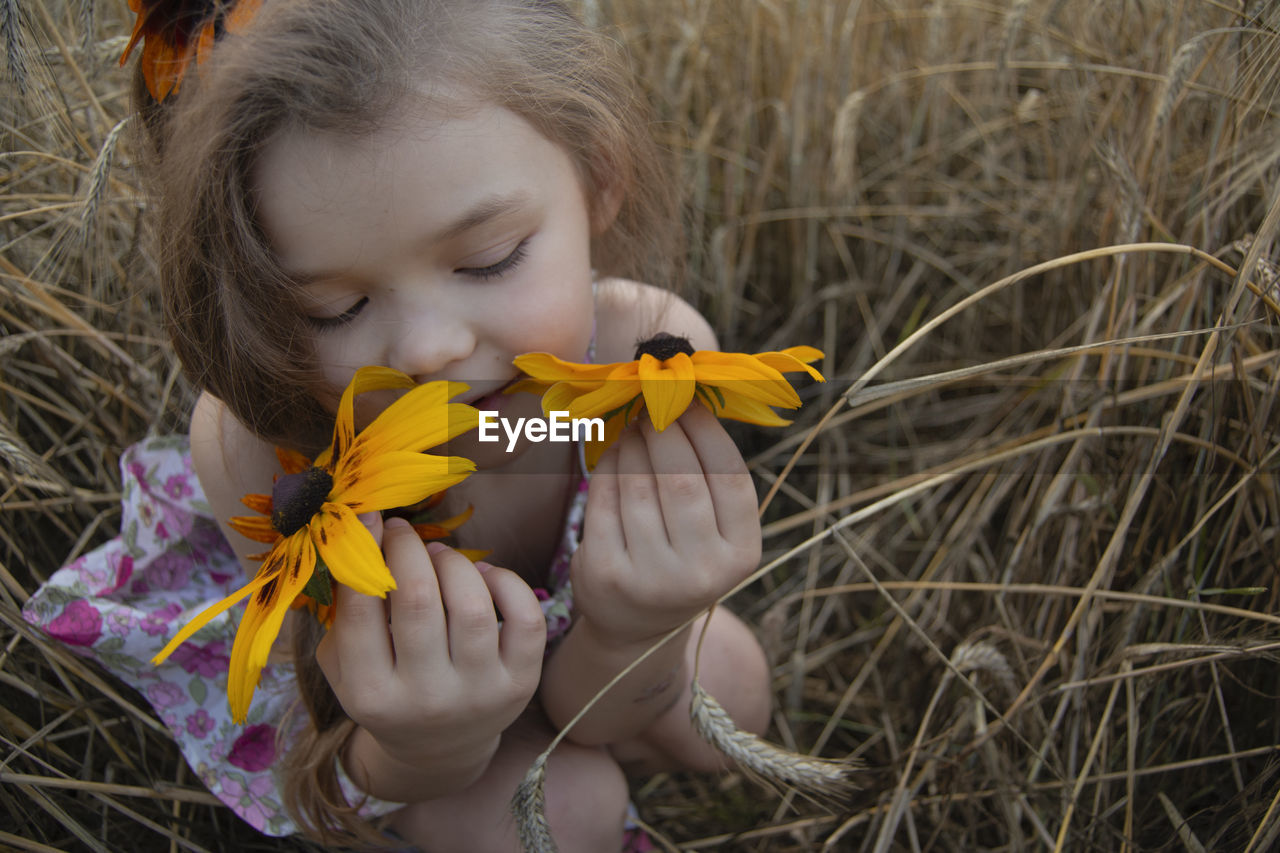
343 66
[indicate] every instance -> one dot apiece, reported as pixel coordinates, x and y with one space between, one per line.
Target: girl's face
440 246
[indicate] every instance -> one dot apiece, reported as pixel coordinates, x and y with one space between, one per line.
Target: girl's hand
430 673
671 525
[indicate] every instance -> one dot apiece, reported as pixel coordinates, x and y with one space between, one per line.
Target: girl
440 187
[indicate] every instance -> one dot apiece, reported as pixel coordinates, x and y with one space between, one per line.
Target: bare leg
586 800
735 672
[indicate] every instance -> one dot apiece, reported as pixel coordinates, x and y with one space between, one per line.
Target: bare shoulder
628 312
230 462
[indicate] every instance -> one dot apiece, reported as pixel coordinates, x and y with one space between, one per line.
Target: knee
739 679
586 799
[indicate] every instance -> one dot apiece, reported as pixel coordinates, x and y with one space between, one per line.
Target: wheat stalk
844 140
823 779
1186 58
96 186
14 53
529 807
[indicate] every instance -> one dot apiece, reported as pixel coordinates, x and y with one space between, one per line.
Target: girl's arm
430 694
671 525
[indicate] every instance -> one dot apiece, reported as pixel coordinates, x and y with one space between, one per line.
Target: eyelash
492 271
502 267
323 323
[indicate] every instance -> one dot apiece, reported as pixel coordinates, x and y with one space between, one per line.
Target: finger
417 612
733 493
602 523
468 607
357 646
523 635
683 494
373 523
642 521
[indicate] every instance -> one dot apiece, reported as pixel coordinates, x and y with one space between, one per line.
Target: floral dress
120 604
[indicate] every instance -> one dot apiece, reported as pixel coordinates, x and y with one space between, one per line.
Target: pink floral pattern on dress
557 599
255 749
78 625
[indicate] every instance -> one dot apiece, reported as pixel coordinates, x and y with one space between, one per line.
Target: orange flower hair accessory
313 526
664 378
175 32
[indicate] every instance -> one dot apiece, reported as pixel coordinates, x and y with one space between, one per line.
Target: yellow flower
313 512
664 378
317 595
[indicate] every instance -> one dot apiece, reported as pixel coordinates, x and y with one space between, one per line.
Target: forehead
328 199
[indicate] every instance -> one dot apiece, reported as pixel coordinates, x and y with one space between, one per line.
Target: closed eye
502 267
342 319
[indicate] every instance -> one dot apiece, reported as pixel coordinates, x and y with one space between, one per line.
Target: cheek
557 317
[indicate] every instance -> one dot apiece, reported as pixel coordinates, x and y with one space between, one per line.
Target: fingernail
392 523
434 548
482 566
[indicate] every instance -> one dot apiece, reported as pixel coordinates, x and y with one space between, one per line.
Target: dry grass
1036 600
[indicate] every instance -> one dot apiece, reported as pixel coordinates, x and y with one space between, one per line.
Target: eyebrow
485 211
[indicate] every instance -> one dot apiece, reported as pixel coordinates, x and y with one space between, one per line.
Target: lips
493 399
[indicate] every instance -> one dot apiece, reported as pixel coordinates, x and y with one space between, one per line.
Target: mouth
491 398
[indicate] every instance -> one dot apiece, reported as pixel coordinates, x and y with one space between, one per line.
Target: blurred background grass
854 172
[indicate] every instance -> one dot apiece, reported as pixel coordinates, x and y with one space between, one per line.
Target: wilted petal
291 565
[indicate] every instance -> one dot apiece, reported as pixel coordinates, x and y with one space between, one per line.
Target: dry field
1021 550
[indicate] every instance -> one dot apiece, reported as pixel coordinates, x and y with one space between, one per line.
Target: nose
429 339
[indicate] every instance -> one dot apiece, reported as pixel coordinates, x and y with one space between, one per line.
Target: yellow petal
595 449
295 570
348 549
546 368
746 374
792 359
366 379
210 612
564 397
255 527
292 566
739 408
420 419
398 479
258 503
778 393
668 387
292 462
609 396
526 386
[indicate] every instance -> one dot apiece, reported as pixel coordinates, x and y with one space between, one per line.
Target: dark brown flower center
663 346
297 497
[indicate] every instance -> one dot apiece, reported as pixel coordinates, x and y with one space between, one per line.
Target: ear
608 196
